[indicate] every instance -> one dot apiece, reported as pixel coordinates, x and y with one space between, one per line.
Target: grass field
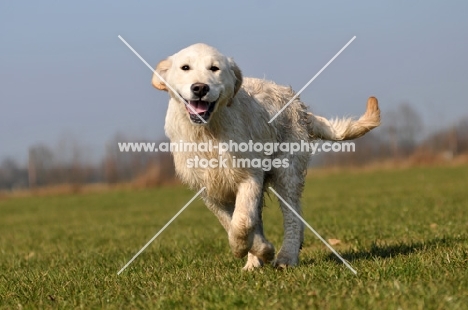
405 232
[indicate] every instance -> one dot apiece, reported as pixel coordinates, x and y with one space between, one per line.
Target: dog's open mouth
200 107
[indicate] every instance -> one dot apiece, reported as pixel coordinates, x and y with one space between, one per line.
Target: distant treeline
399 138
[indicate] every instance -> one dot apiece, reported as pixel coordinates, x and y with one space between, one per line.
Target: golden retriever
222 106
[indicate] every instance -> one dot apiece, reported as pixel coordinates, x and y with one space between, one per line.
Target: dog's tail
345 128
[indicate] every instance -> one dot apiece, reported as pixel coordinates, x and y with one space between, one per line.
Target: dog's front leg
245 217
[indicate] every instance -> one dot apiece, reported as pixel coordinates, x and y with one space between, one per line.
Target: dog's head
202 76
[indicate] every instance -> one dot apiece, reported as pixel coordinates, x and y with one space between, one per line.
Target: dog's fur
239 110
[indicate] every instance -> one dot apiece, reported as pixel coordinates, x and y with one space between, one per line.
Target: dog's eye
214 68
185 67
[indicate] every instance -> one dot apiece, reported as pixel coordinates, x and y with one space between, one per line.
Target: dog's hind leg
289 185
223 212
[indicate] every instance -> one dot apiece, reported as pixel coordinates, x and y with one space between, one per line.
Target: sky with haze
65 73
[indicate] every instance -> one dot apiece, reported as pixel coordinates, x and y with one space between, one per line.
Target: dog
210 100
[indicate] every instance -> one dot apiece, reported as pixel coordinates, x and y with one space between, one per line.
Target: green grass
404 231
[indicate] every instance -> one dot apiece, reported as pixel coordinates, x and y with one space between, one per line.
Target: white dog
238 109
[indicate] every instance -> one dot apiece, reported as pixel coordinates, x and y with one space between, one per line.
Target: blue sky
64 72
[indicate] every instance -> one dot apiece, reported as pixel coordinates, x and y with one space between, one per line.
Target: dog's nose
200 89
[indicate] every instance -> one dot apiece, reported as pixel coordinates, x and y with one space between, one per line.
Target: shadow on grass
389 250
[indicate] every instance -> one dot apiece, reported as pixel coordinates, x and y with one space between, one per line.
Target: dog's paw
253 262
240 244
265 251
284 260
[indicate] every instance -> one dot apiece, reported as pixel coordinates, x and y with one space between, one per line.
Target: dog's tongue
199 106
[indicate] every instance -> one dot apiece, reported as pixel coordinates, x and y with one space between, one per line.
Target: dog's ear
238 74
161 70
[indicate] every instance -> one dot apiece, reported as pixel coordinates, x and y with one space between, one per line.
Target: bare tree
402 129
146 168
409 128
41 162
461 134
12 175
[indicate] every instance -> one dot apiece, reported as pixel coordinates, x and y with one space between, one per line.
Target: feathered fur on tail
345 128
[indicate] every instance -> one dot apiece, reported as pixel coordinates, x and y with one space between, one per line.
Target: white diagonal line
161 78
160 231
316 233
312 79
